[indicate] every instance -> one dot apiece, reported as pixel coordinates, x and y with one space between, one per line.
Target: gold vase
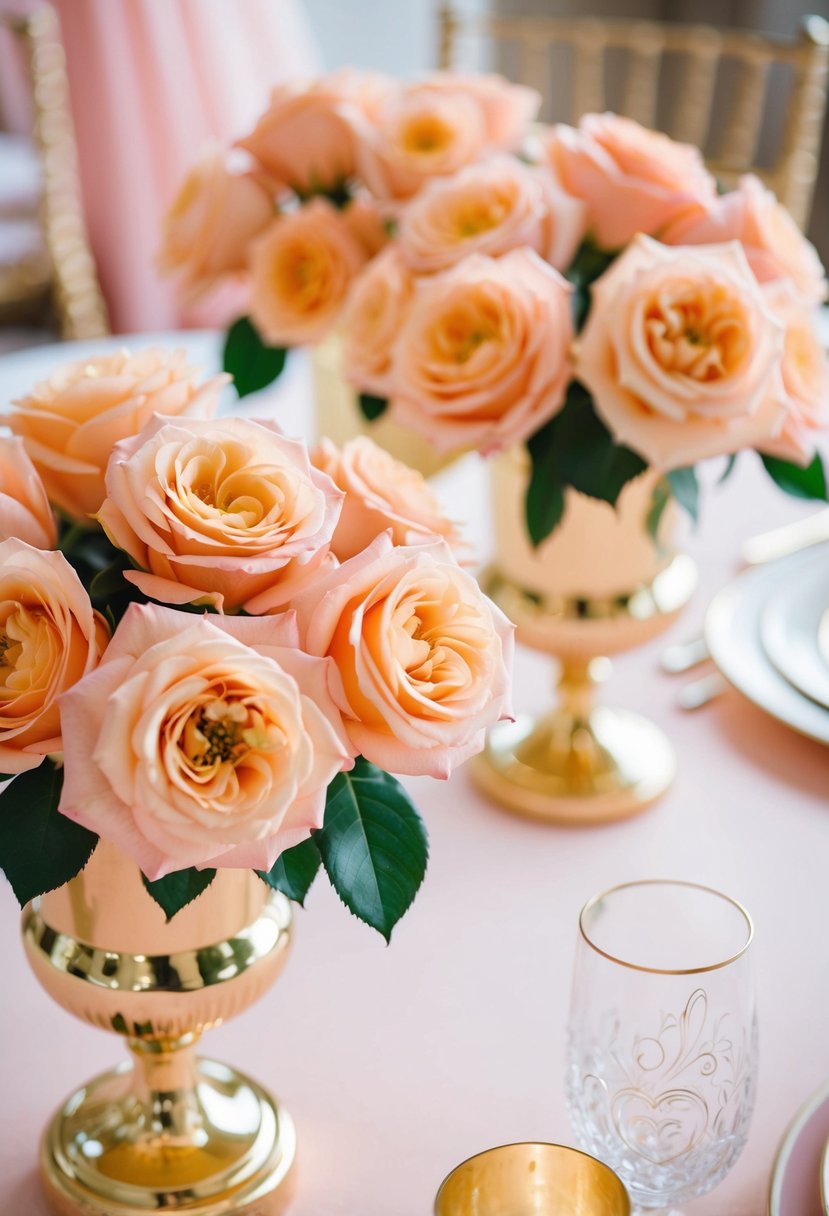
598 585
339 418
168 1131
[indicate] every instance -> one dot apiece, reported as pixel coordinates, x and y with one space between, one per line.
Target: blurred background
105 103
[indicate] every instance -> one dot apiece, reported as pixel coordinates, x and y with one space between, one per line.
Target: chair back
72 281
716 88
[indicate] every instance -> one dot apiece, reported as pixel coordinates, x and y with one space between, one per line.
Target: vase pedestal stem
581 763
169 1130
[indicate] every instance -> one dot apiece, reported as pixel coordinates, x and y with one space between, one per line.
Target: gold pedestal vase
598 585
339 418
167 1131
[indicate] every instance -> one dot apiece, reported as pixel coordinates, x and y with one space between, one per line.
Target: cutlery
682 656
700 692
780 542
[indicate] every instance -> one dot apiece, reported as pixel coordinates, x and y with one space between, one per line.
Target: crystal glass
662 1037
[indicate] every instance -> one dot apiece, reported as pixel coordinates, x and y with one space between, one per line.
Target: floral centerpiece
216 648
584 291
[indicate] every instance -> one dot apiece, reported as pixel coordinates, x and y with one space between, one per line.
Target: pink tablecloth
398 1063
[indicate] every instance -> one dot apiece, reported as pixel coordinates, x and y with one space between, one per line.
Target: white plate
796 1175
790 626
732 632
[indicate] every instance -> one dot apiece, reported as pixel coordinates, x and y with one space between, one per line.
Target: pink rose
423 655
224 511
805 371
301 269
379 304
381 494
774 245
490 208
214 217
507 109
632 179
483 359
49 638
24 507
70 423
425 133
307 138
682 353
201 741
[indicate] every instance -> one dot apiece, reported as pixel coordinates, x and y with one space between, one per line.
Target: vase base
609 765
97 1160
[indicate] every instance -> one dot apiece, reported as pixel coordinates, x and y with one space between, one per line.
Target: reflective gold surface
532 1180
598 585
339 418
169 1131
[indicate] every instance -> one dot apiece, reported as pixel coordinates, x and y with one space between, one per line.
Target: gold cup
532 1180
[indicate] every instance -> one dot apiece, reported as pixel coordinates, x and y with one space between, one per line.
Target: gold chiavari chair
77 302
712 87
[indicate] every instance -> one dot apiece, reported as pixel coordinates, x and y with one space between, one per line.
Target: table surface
397 1063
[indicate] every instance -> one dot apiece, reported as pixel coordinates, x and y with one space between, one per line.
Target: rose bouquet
216 648
585 291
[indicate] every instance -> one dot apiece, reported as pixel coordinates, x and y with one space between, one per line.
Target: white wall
395 36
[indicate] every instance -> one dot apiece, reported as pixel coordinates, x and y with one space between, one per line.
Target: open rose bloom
457 247
182 665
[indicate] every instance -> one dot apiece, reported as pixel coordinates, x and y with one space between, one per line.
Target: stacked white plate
768 632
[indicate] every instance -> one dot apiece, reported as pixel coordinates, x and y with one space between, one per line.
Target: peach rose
632 179
379 304
24 507
301 269
214 217
366 224
490 208
381 494
424 656
49 639
483 359
71 421
774 245
507 109
201 741
220 511
805 371
425 133
682 353
307 138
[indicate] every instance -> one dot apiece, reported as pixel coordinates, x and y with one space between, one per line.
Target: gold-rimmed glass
662 1037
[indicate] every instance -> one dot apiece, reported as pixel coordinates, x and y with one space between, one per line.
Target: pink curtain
152 82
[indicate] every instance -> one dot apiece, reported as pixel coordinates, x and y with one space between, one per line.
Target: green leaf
373 845
40 849
797 481
544 503
337 192
251 363
589 459
294 870
175 891
110 582
685 489
372 407
589 263
729 468
660 498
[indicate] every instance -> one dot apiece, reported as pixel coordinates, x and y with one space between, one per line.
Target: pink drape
152 82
